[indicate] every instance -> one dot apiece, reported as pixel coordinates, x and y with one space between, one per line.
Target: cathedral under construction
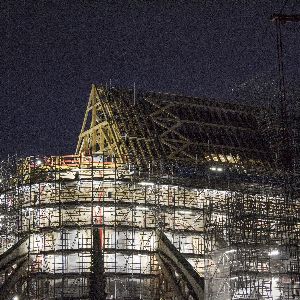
167 197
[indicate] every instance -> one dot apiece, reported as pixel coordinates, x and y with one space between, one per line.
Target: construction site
167 197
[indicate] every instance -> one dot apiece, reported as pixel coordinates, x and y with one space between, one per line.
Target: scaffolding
60 203
157 203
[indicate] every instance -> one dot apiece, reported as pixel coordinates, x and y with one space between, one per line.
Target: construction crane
285 124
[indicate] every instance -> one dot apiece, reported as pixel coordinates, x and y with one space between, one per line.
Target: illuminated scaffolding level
167 197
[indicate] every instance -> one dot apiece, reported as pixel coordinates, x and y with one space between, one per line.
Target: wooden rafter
101 134
170 127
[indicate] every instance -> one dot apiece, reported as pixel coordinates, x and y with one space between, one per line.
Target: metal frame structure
84 226
167 197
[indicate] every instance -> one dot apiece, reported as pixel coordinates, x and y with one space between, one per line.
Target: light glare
143 208
38 162
146 183
230 251
216 169
274 252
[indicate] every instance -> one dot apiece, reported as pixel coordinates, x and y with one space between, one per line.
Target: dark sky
52 51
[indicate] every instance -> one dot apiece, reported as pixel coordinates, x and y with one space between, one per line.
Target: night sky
52 51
